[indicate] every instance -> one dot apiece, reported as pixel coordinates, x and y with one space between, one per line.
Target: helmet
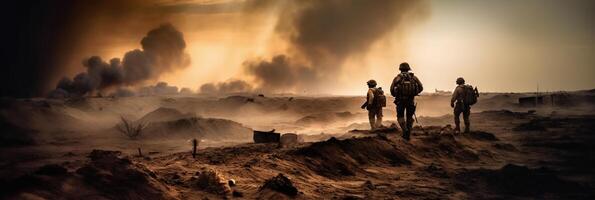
460 81
372 83
404 67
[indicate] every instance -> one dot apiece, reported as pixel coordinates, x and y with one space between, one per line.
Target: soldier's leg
457 115
371 118
409 119
401 119
466 115
379 118
410 113
401 116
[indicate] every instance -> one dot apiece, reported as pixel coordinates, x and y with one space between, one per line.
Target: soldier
375 100
404 88
460 105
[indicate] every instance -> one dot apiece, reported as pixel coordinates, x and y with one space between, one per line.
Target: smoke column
163 50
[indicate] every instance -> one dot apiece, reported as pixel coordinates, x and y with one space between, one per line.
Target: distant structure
554 99
441 92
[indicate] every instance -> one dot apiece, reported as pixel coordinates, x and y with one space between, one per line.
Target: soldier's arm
393 92
421 87
455 95
370 96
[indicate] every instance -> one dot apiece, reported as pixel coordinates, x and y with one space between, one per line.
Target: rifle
415 117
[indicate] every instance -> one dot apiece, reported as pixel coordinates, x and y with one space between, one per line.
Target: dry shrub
131 130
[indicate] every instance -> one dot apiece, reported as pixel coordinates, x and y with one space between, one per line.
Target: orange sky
497 45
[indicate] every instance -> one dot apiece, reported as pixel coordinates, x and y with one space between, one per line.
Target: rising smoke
163 50
322 35
280 74
232 86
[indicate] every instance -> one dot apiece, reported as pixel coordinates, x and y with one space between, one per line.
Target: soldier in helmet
404 88
375 100
459 105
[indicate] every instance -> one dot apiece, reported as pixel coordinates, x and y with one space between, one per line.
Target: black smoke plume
280 74
161 88
163 50
322 35
232 86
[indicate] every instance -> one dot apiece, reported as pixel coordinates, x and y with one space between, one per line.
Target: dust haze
255 99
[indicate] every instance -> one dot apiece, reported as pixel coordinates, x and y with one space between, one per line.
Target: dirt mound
12 135
106 175
163 114
280 183
323 119
533 125
481 135
514 180
344 157
171 123
197 127
446 146
506 114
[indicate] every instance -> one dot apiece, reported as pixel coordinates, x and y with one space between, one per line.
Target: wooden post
194 144
140 154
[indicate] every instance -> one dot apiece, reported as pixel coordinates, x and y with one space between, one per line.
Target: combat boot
404 128
467 127
406 134
457 128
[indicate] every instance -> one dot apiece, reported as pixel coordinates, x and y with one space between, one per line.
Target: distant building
556 99
442 92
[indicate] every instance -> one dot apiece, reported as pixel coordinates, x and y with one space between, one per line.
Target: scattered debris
212 182
369 185
289 139
436 170
237 193
194 144
266 137
481 135
280 183
231 182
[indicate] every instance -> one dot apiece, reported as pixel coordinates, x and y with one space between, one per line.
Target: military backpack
470 94
407 86
379 98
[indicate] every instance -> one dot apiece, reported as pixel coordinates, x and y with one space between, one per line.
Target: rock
282 184
212 182
369 185
436 170
231 182
236 193
481 135
97 154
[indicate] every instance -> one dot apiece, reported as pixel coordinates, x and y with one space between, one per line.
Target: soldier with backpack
463 97
404 88
375 101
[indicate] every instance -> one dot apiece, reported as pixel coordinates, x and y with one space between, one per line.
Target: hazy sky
497 45
507 45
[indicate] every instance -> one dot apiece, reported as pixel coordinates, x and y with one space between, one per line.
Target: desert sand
72 149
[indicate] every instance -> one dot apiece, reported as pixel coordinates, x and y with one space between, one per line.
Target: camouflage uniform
405 104
460 107
374 110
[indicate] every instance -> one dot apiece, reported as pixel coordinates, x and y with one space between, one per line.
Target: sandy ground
56 149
